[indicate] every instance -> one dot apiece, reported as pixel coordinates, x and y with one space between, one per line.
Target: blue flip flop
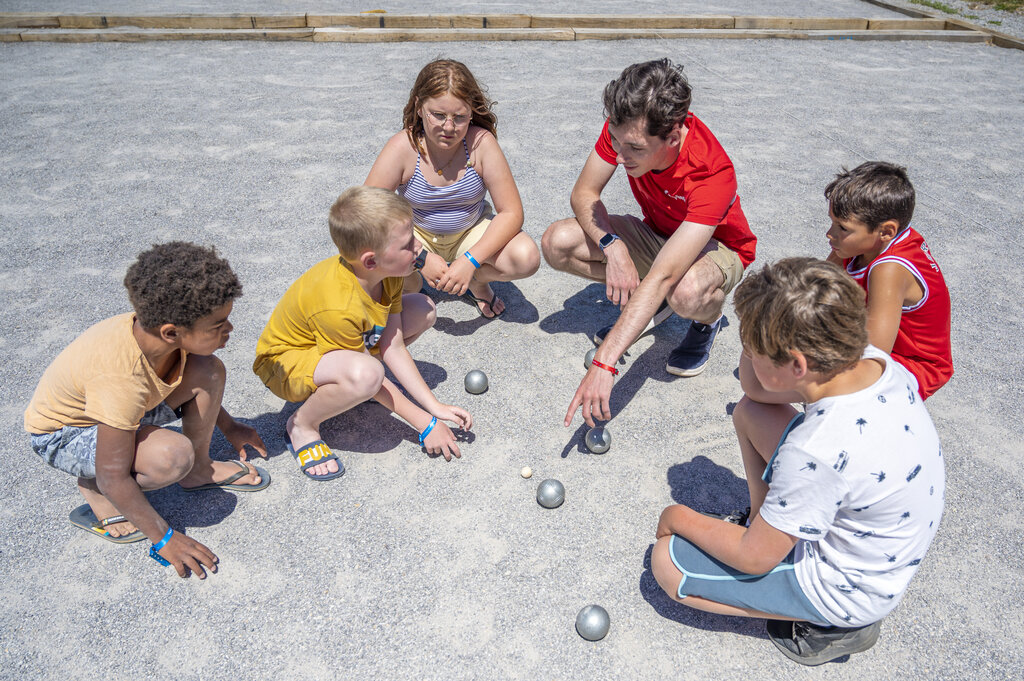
229 482
84 518
315 453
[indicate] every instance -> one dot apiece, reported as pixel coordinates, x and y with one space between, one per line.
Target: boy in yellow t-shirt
98 408
335 328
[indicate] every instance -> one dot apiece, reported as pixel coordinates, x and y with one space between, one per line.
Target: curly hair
873 192
656 91
442 77
807 305
179 282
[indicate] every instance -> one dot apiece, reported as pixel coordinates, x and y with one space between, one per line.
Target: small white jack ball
526 472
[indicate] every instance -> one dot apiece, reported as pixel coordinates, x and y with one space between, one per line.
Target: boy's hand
434 269
441 440
187 555
239 435
456 279
457 415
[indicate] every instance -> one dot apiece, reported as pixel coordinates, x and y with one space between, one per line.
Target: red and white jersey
922 341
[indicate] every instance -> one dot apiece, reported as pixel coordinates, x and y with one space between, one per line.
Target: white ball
526 472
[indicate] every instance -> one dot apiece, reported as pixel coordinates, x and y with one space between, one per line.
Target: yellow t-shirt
325 309
101 377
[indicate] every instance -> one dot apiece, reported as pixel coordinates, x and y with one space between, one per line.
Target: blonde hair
441 77
807 305
362 218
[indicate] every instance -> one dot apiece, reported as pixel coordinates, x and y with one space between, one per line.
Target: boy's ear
675 135
168 333
368 259
798 364
888 230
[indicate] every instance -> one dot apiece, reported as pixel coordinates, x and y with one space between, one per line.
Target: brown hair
873 192
362 217
179 282
447 76
654 91
807 305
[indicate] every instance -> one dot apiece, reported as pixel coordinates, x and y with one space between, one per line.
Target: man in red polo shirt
688 251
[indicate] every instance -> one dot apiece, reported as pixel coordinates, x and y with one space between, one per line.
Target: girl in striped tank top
444 162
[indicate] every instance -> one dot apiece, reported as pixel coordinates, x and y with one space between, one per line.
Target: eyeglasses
458 120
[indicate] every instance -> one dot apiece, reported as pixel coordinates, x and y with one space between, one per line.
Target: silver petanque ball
599 440
589 358
476 382
550 493
592 623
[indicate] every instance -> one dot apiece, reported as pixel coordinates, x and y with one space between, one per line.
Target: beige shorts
451 246
644 244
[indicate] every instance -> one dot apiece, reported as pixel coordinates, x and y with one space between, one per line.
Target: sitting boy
845 497
327 338
908 303
98 408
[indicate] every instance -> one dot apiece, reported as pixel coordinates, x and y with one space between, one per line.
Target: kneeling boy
98 408
845 497
327 338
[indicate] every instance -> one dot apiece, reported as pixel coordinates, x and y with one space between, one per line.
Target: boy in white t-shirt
845 497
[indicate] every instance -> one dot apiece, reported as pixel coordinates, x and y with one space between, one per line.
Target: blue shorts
776 592
73 450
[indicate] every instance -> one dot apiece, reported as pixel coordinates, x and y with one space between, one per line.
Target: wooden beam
628 21
803 23
391 35
907 24
136 35
28 20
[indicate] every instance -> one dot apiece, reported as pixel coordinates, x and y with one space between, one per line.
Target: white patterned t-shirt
861 481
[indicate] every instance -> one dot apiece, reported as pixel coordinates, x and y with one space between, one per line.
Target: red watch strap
615 372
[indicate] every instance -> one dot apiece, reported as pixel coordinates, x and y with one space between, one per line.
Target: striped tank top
445 210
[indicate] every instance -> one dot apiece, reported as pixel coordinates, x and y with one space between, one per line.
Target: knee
528 258
665 571
429 314
558 241
206 371
741 414
172 461
364 377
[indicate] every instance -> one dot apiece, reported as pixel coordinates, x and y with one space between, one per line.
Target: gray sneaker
663 313
811 645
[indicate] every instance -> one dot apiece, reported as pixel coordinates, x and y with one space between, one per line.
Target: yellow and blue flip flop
229 482
84 518
315 453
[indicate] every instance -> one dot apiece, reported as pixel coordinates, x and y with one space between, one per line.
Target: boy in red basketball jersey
908 302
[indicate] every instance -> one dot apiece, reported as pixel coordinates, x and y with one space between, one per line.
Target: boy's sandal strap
243 471
314 454
112 520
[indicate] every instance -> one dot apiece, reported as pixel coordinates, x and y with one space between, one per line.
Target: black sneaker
663 313
690 358
735 517
811 645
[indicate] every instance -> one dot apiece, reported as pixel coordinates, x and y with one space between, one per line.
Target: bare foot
483 291
300 437
103 509
220 470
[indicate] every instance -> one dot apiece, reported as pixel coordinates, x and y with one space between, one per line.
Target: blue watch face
606 241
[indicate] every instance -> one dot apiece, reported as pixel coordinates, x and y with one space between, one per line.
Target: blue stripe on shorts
776 592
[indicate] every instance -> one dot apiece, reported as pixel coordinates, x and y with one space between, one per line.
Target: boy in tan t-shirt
98 408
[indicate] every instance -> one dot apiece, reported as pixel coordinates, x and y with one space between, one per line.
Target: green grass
934 4
995 23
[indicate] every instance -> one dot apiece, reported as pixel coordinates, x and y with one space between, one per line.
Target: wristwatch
607 240
420 260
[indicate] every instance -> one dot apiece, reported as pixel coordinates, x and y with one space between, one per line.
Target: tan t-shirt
101 377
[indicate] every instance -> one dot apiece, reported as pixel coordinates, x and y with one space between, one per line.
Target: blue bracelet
159 545
426 431
472 260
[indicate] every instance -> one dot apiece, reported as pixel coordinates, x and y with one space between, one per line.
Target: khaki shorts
451 246
644 244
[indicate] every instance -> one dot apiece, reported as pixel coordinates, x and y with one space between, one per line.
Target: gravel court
408 566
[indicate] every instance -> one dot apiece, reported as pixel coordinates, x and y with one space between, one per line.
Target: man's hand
434 269
456 279
188 556
621 277
593 396
239 435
